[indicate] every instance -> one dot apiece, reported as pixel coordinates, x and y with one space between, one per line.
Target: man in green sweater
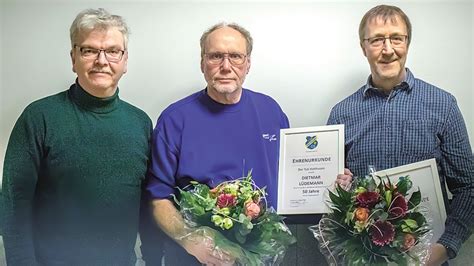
76 160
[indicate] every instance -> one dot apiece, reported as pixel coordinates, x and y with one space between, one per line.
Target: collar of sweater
92 103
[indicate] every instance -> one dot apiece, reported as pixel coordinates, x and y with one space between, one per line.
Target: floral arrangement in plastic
239 221
374 224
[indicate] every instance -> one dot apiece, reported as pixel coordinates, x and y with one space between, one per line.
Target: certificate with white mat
310 160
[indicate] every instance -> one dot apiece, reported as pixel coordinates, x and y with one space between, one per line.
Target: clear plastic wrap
234 223
375 223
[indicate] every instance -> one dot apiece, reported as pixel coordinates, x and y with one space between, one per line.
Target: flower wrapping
375 223
235 216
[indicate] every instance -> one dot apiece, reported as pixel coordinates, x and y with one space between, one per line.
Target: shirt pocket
419 138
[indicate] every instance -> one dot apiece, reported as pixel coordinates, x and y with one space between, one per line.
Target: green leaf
415 200
404 184
411 223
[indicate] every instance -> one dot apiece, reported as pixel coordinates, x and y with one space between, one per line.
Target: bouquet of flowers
240 222
375 223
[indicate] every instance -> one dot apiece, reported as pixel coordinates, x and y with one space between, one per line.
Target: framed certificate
424 176
310 159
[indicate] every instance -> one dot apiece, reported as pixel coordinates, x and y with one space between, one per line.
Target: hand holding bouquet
374 224
234 216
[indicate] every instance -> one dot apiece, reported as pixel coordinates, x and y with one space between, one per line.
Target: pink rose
252 210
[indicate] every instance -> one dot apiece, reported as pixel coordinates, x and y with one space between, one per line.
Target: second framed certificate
310 159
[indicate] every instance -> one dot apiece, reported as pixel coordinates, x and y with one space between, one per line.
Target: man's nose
101 59
387 47
225 63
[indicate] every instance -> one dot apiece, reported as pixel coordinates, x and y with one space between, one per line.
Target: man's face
97 75
225 79
387 62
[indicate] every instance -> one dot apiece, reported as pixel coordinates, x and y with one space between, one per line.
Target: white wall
306 53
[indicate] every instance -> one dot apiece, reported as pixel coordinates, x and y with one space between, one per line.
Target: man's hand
438 255
202 247
345 180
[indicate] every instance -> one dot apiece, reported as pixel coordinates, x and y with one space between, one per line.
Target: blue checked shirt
416 121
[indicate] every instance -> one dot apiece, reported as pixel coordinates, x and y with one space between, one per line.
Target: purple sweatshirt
200 139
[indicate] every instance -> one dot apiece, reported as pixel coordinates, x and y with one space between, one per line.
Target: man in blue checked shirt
397 119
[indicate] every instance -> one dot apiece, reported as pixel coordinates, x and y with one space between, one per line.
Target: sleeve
20 175
332 120
457 165
161 181
284 122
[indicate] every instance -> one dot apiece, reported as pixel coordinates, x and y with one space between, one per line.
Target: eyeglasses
395 40
112 55
218 58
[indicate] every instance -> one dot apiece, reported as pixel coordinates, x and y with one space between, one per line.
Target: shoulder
135 112
428 91
185 104
261 99
49 104
355 97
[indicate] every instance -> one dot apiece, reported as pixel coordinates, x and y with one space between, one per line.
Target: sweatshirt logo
269 137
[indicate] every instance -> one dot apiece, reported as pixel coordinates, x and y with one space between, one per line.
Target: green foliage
414 200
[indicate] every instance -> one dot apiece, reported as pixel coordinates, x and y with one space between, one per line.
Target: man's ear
73 61
125 67
249 64
363 49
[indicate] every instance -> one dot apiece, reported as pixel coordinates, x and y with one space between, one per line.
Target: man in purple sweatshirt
214 135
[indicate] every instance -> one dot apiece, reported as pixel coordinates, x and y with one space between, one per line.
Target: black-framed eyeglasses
395 40
218 58
112 55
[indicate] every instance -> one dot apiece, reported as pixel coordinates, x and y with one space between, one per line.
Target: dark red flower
382 233
226 200
368 199
398 208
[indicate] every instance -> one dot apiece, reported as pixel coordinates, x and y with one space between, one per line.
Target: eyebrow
113 47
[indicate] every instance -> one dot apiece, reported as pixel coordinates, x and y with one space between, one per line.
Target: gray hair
245 33
385 12
92 19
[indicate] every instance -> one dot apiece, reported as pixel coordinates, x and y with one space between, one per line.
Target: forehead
102 37
379 24
225 39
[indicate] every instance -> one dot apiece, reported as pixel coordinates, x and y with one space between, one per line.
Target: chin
227 90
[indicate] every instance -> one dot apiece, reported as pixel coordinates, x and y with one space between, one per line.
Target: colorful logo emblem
311 142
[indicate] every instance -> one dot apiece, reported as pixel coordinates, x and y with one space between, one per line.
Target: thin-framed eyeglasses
112 55
395 40
218 58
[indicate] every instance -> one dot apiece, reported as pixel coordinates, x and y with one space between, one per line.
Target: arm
20 175
457 166
195 241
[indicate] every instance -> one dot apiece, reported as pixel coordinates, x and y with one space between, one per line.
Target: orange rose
361 214
408 241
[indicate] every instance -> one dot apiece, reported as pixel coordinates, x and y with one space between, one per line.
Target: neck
100 93
225 98
387 85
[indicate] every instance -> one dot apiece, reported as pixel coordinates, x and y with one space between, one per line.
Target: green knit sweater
72 181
